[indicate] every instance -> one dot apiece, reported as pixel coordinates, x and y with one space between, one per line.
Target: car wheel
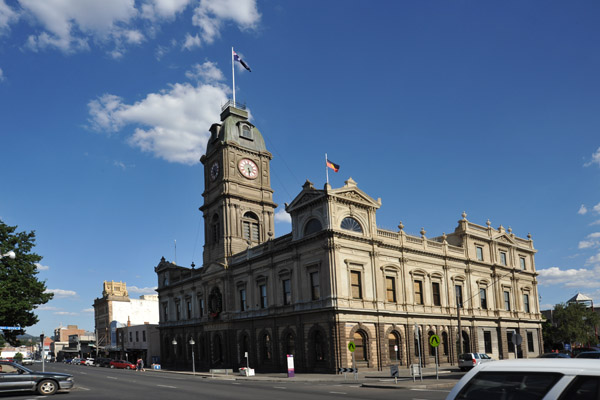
47 387
112 366
128 367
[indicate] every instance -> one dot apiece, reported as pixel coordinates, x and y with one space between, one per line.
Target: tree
21 291
573 323
18 358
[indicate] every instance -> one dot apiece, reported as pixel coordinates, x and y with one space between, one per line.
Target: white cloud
207 72
593 259
175 122
168 9
63 20
568 278
120 164
595 223
47 308
65 313
7 16
582 210
146 290
191 42
41 267
1 72
595 159
283 216
210 15
60 293
88 310
597 208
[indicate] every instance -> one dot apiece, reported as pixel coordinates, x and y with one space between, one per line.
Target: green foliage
573 323
21 291
18 358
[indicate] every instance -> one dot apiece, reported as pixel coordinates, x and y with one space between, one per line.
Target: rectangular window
390 288
483 298
137 336
435 291
522 261
144 336
165 311
507 301
530 347
526 303
356 285
243 305
201 304
418 286
459 296
479 253
178 310
287 292
503 258
511 345
263 296
315 287
188 304
487 340
131 337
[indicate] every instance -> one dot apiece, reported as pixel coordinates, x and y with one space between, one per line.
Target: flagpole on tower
326 169
233 75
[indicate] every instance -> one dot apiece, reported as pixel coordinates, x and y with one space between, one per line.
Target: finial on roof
529 236
423 232
488 223
401 226
464 215
509 230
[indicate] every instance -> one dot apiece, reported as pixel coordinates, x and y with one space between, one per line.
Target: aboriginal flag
333 166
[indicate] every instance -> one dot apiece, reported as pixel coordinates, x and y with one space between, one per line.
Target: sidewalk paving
447 378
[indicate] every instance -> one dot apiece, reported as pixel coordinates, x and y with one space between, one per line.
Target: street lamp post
174 343
192 343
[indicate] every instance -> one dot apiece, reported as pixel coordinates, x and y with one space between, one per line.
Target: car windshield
484 356
466 356
509 385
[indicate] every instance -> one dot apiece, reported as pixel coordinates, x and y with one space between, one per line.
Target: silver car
469 360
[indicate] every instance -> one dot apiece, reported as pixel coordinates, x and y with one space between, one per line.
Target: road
104 383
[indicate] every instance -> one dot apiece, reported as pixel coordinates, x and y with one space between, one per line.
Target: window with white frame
479 251
522 262
503 257
507 300
526 302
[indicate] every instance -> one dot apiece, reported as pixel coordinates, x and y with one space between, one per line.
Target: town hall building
335 279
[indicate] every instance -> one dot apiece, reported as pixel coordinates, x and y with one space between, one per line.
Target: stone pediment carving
504 238
356 196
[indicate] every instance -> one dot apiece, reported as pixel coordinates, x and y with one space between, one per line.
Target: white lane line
112 377
430 390
279 387
337 392
167 386
235 383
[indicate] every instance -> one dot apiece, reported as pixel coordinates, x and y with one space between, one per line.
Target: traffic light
42 339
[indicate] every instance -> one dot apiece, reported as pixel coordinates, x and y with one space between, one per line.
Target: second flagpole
233 76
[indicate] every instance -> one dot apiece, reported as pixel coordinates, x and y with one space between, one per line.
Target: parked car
102 362
470 360
82 361
578 350
535 378
89 361
15 377
554 355
27 361
588 354
121 364
76 361
67 360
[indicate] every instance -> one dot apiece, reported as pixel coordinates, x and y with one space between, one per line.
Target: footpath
446 378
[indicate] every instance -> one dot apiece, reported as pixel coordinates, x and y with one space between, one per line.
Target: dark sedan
15 377
554 355
589 354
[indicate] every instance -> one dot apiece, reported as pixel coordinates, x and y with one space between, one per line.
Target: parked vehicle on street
554 355
578 350
27 361
121 364
470 360
15 377
589 354
89 361
102 362
82 361
535 378
76 361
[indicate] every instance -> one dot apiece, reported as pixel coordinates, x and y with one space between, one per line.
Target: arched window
466 345
312 226
266 347
215 230
431 348
350 224
290 344
319 347
250 224
445 343
360 341
394 347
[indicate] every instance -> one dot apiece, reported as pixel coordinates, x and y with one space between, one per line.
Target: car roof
568 366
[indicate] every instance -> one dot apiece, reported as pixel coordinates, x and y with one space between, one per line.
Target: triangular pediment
505 238
308 195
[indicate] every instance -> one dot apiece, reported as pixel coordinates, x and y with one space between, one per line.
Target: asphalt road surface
104 383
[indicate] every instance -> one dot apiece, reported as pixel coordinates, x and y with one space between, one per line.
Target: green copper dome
235 128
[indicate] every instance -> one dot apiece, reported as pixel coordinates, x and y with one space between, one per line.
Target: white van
536 378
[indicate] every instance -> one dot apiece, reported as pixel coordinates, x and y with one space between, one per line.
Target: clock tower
238 204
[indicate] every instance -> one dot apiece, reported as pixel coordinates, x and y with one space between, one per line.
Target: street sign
568 346
10 328
517 339
351 347
394 371
354 370
434 340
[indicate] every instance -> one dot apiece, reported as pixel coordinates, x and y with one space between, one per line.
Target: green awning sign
434 340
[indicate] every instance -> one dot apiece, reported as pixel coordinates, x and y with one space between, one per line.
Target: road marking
337 392
167 386
235 383
112 377
279 387
430 390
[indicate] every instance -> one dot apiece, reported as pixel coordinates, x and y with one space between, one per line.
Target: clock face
248 168
214 170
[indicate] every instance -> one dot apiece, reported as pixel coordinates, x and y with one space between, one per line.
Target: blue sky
436 107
